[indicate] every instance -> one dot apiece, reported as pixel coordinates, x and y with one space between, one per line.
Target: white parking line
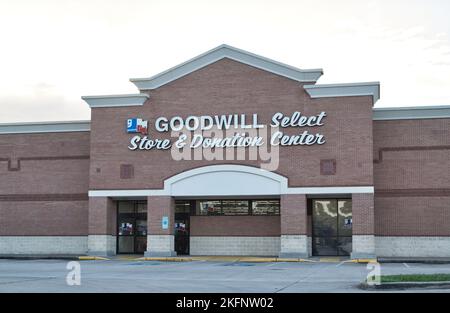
406 265
272 264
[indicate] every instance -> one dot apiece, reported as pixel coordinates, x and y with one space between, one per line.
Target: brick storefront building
348 179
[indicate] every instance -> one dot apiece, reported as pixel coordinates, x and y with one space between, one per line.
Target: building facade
230 153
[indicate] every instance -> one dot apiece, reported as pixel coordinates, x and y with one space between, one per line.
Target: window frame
135 217
250 207
279 207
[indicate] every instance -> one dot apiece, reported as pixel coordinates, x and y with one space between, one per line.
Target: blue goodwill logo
137 125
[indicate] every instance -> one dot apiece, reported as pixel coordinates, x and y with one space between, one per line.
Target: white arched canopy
225 180
228 180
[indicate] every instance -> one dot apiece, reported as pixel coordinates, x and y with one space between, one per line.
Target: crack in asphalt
305 278
24 280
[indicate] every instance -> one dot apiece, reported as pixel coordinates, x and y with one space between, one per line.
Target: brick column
102 226
160 242
363 237
294 242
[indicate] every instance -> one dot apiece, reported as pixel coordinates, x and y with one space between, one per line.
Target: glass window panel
266 207
325 246
325 218
182 234
141 207
141 244
235 207
132 226
126 226
141 227
345 219
126 244
332 227
126 207
182 206
209 208
344 245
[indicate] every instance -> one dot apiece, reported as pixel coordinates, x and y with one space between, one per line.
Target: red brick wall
157 207
44 184
412 216
235 226
412 177
48 163
102 216
363 214
415 154
228 87
43 218
294 220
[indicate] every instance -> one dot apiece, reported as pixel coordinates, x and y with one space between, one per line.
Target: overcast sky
52 52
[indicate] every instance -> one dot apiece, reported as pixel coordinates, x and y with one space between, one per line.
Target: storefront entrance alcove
183 211
131 227
331 227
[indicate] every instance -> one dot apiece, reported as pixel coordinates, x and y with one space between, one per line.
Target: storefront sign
241 123
137 125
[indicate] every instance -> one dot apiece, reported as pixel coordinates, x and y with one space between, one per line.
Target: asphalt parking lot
197 276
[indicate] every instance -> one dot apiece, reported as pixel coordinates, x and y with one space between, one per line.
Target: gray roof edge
373 83
423 107
134 95
45 127
344 90
106 101
410 113
226 51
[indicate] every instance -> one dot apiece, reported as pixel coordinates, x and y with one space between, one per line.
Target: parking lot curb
225 259
406 285
362 261
168 259
415 260
91 258
257 260
39 257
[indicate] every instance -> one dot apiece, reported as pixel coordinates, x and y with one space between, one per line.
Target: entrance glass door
332 227
132 227
182 223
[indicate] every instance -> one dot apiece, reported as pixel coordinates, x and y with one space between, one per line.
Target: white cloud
53 52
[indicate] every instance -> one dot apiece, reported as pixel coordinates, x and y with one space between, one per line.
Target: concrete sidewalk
187 258
139 257
249 259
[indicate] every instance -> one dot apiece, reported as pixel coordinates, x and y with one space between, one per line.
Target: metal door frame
192 206
186 217
135 205
337 224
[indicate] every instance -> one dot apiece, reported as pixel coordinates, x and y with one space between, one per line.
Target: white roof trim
45 127
330 190
344 90
297 190
225 51
116 100
411 113
214 180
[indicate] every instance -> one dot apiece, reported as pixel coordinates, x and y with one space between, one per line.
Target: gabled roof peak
221 52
